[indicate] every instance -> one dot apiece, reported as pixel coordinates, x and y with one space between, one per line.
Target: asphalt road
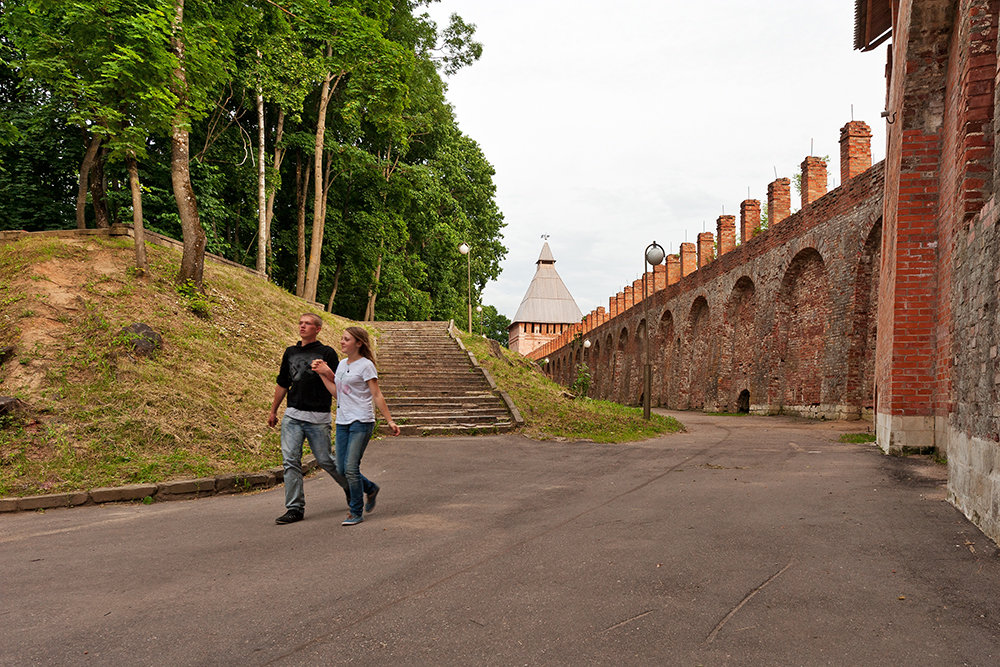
747 540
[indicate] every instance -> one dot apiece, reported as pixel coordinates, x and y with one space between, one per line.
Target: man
307 416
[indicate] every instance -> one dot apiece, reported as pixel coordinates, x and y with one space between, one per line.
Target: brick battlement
724 326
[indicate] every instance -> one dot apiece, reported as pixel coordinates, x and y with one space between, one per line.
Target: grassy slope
549 413
102 417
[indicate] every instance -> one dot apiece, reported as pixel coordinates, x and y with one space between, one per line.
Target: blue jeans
352 439
293 432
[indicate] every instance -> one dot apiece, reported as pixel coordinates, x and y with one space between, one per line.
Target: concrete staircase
432 386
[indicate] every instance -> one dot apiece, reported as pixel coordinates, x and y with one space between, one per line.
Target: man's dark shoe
351 520
370 505
291 516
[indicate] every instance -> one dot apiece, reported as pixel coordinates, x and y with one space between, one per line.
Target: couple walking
310 375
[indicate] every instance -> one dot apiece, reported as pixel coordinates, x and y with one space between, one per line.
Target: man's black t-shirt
306 390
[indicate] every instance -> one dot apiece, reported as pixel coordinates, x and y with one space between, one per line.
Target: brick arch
699 349
621 367
594 362
801 318
861 356
663 360
739 342
607 369
634 394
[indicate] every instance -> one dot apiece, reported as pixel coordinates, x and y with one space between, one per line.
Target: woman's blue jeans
350 444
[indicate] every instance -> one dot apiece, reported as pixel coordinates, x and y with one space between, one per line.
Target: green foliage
581 383
492 324
403 186
194 299
857 437
549 414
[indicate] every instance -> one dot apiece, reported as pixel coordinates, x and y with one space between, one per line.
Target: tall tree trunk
138 229
373 290
279 157
98 191
193 257
302 196
262 235
316 245
336 282
81 193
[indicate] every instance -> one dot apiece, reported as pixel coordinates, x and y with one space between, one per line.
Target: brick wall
771 318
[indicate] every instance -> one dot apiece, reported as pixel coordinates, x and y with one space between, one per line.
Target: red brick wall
717 328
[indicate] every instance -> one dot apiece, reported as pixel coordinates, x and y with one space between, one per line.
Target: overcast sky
612 125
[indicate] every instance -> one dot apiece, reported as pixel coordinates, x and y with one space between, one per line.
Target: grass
100 416
103 417
549 414
856 438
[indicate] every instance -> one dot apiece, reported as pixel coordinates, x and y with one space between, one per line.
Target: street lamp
464 249
586 346
479 314
653 256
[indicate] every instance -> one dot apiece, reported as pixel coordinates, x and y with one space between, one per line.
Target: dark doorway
743 402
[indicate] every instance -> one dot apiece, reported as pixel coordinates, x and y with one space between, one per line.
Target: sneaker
352 520
370 505
291 516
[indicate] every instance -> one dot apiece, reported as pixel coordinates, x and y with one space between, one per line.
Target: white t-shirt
354 398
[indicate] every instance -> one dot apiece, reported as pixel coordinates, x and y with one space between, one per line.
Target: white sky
612 125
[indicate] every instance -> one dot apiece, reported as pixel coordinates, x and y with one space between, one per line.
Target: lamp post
464 249
586 346
653 256
479 314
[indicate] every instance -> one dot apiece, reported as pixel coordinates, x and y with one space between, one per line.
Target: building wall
526 337
783 320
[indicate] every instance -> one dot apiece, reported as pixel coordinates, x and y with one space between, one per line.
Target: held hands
322 368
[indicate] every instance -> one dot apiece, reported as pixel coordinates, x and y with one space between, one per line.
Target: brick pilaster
706 248
779 200
855 149
726 228
749 218
813 179
689 259
659 277
673 269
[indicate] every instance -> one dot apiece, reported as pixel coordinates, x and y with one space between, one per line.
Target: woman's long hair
361 336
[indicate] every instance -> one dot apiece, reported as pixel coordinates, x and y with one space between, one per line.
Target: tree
494 324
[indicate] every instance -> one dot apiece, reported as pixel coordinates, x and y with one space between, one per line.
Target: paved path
754 541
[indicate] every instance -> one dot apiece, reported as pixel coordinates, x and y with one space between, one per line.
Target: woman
355 385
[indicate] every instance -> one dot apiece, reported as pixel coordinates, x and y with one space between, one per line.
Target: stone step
447 413
431 385
454 429
407 392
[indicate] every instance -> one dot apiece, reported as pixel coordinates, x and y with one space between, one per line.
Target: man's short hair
317 320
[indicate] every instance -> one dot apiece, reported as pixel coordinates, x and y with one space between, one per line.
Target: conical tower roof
547 300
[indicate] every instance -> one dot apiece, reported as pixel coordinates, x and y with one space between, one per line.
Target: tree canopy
315 137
